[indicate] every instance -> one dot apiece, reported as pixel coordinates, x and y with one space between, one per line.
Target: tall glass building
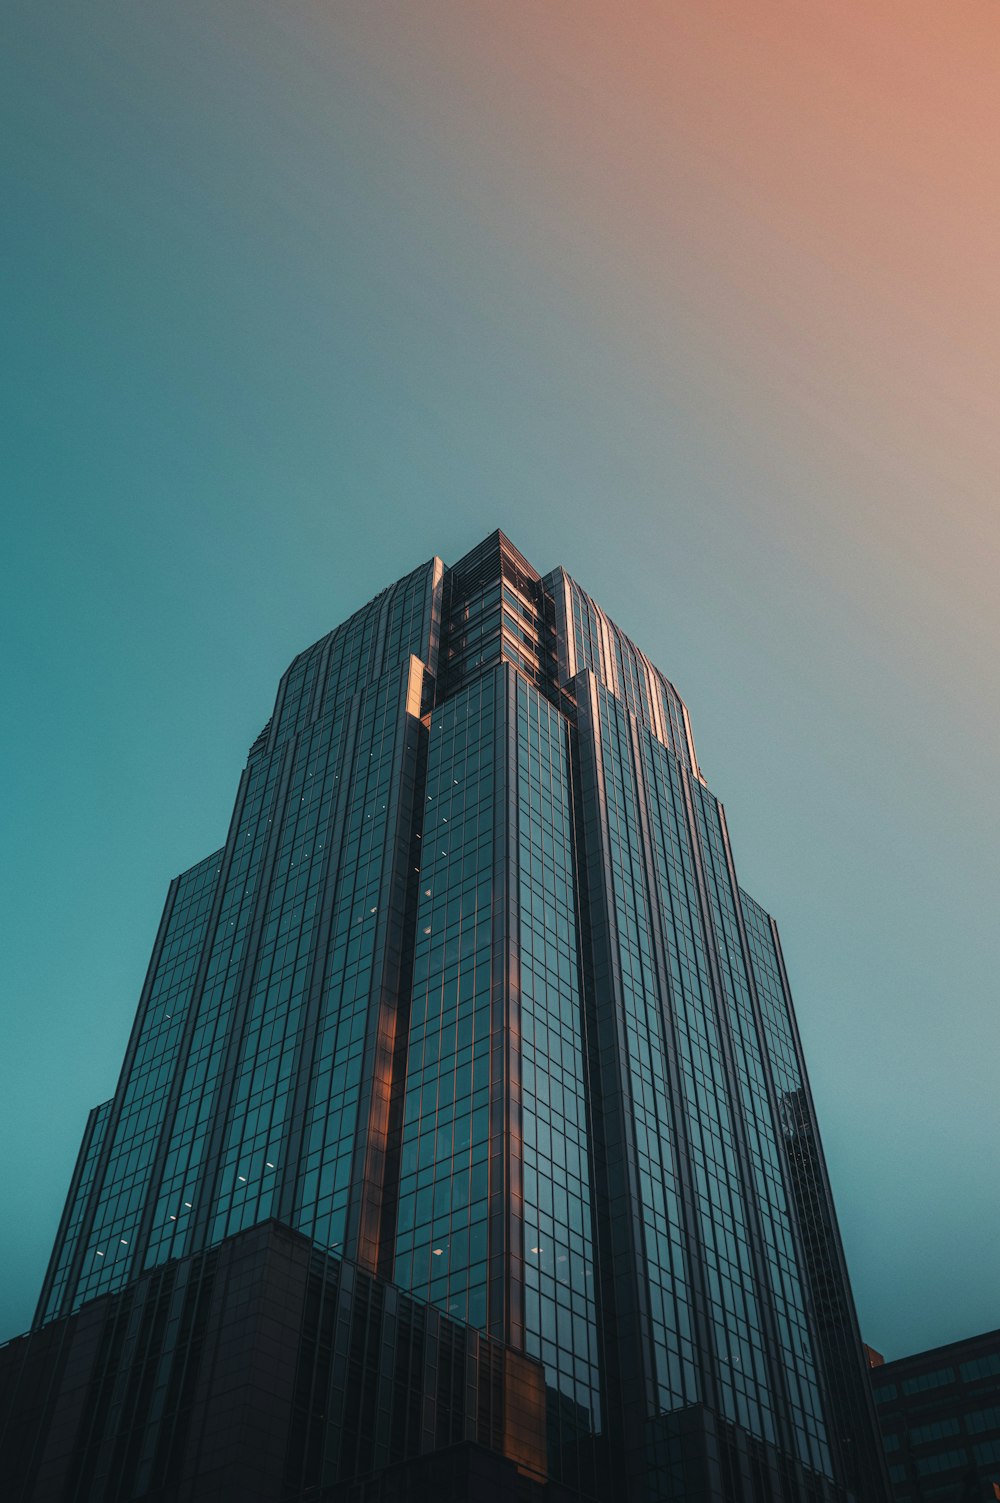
472 1001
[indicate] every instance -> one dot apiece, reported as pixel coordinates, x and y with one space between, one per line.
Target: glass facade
471 998
560 1296
442 1234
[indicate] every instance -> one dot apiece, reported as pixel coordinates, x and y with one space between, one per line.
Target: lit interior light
99 1255
173 1218
123 1241
536 1249
269 1164
438 1251
188 1204
242 1177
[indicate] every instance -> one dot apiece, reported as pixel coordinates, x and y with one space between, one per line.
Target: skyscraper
471 1000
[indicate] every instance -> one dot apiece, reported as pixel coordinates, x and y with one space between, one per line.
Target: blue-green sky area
297 295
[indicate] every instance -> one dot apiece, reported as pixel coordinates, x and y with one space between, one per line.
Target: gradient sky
697 299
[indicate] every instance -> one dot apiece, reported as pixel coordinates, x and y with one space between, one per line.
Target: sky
699 301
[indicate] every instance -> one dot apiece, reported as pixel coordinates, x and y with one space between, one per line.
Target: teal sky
296 296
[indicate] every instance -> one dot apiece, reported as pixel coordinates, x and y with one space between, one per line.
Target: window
983 1419
939 1430
942 1461
936 1379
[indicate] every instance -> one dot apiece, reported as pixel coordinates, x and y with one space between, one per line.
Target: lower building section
258 1371
266 1371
